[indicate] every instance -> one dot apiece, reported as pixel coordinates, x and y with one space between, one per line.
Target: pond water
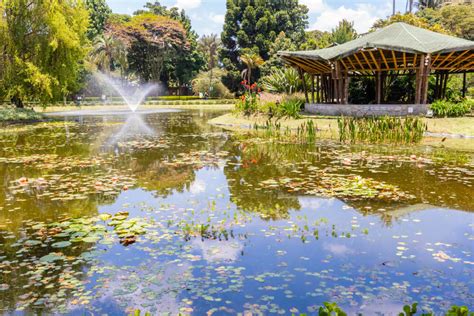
164 213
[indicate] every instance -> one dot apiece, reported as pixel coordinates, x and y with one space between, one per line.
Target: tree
209 47
317 40
211 84
411 19
344 32
253 25
251 61
43 48
282 43
459 20
151 40
185 64
99 13
429 4
109 52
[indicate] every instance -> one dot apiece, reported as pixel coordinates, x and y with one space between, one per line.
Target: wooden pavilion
398 49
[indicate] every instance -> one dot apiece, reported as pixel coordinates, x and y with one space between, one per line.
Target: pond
164 213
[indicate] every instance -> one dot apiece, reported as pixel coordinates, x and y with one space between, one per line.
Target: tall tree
209 47
99 13
281 43
411 19
344 32
109 52
182 67
44 44
151 40
253 25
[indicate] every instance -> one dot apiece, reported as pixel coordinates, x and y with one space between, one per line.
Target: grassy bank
454 133
184 106
11 114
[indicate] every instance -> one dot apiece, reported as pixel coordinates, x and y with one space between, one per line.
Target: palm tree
431 4
252 61
210 45
109 51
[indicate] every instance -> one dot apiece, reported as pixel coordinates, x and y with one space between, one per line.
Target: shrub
285 80
443 108
290 107
205 82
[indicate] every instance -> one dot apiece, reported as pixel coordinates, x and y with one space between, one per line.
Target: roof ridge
412 35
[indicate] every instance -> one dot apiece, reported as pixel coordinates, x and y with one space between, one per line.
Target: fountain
132 94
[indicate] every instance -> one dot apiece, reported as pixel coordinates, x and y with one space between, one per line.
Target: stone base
367 110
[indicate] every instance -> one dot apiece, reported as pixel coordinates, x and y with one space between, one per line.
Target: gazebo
398 49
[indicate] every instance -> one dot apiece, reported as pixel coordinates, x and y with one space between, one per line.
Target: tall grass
305 133
381 129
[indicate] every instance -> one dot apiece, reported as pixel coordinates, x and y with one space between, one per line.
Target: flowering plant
248 102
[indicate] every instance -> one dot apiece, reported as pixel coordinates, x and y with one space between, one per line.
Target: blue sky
207 16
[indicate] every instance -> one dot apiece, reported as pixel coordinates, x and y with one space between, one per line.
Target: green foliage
317 40
381 129
10 114
331 309
290 107
284 80
412 19
443 108
210 82
253 26
151 40
344 32
43 47
459 311
209 46
109 53
409 310
282 43
458 20
99 13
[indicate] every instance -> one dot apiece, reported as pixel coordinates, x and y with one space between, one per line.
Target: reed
305 133
381 129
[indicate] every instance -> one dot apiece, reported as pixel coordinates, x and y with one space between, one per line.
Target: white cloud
218 18
314 6
363 16
188 4
198 187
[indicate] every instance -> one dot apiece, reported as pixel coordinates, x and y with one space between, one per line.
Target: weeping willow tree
43 47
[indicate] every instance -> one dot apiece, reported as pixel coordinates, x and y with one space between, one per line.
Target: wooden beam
462 60
404 60
312 88
367 60
464 84
426 76
384 59
303 81
378 87
395 61
375 60
457 58
444 60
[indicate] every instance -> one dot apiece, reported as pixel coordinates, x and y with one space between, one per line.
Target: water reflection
230 221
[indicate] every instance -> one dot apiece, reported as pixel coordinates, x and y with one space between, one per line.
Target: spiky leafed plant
286 80
108 51
252 61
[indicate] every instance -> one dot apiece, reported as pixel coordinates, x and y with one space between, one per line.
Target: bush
14 114
291 107
284 81
443 108
211 84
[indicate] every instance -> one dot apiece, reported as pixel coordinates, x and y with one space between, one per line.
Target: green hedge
443 108
9 114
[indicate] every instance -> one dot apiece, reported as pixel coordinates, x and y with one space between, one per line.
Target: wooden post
436 86
419 80
378 87
303 82
464 84
318 87
346 88
445 85
426 76
312 89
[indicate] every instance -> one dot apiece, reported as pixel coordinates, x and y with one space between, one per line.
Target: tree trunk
16 100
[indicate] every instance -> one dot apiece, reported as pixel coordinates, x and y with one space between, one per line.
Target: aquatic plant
381 129
304 133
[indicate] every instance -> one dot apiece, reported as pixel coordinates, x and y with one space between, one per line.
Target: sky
207 16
